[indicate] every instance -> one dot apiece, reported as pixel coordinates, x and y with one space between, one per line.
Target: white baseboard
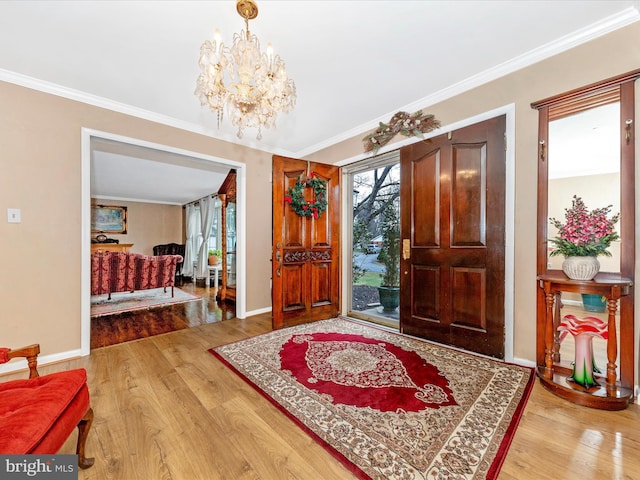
524 362
575 303
258 311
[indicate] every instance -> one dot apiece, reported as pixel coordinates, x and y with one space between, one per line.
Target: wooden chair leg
83 432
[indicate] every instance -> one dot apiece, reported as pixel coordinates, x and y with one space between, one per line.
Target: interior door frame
509 111
87 135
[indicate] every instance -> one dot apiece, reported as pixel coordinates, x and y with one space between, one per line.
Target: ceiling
156 176
355 63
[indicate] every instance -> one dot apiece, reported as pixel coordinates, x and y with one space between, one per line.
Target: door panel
452 213
321 233
306 258
293 225
292 292
321 284
468 200
427 305
426 200
468 309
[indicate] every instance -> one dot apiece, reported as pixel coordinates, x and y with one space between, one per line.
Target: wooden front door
306 250
453 238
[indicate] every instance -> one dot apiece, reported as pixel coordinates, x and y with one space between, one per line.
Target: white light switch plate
13 215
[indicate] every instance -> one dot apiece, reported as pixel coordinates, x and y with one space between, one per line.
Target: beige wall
40 145
611 55
148 224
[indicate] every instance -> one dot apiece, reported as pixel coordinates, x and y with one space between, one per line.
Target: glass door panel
375 242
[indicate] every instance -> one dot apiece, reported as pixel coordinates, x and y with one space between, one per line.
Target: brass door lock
406 249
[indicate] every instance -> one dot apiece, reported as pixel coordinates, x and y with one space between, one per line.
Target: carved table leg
612 347
549 336
556 321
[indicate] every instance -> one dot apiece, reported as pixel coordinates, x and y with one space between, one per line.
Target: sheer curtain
191 236
207 210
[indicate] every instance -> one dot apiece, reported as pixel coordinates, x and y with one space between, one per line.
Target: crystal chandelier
250 85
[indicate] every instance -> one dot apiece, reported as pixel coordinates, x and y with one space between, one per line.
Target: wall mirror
584 160
586 148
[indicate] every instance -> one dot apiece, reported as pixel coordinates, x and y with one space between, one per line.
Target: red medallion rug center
355 370
387 405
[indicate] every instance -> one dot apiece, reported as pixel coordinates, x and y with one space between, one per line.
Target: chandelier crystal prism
251 86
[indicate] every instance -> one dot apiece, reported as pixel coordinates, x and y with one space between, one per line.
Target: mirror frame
619 88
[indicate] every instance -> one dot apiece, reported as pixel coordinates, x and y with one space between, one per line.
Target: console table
614 395
111 247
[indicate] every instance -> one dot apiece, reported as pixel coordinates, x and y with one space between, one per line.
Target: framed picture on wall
108 219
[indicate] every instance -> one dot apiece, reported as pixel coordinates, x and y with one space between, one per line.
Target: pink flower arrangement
585 233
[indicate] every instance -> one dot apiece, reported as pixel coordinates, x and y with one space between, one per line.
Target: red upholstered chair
38 415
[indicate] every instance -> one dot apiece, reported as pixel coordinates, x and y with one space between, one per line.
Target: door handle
406 249
279 260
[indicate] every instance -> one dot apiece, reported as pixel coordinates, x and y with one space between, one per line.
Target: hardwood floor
165 408
124 327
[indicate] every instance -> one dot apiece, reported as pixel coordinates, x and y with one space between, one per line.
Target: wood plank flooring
124 327
165 408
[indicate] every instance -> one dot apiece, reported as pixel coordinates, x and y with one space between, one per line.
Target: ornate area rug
140 300
387 405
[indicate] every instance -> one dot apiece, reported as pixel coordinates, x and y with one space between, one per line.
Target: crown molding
136 200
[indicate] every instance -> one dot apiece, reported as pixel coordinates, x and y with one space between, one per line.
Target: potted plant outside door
389 289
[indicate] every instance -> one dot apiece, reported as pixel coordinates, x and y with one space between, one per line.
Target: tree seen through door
376 243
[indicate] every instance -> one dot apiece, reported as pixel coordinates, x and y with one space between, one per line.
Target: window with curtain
195 237
215 240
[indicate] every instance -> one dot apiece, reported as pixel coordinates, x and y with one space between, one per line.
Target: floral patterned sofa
127 272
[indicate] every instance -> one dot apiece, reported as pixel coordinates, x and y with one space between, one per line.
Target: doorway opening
89 137
375 240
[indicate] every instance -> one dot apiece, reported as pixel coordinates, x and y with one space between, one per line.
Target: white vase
581 268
